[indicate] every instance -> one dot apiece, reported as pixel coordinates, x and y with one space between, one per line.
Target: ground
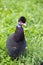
10 11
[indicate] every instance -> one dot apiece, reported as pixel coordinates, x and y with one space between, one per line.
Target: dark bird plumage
16 43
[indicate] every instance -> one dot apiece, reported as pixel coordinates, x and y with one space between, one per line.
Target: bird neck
19 25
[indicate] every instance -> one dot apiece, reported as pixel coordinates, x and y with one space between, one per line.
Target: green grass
10 11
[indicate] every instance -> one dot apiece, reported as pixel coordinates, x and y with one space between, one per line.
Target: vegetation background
10 11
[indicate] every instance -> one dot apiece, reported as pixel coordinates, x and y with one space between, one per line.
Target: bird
16 43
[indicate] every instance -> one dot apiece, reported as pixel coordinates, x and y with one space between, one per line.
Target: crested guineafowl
16 43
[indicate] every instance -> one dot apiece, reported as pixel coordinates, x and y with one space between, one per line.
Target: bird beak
24 24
